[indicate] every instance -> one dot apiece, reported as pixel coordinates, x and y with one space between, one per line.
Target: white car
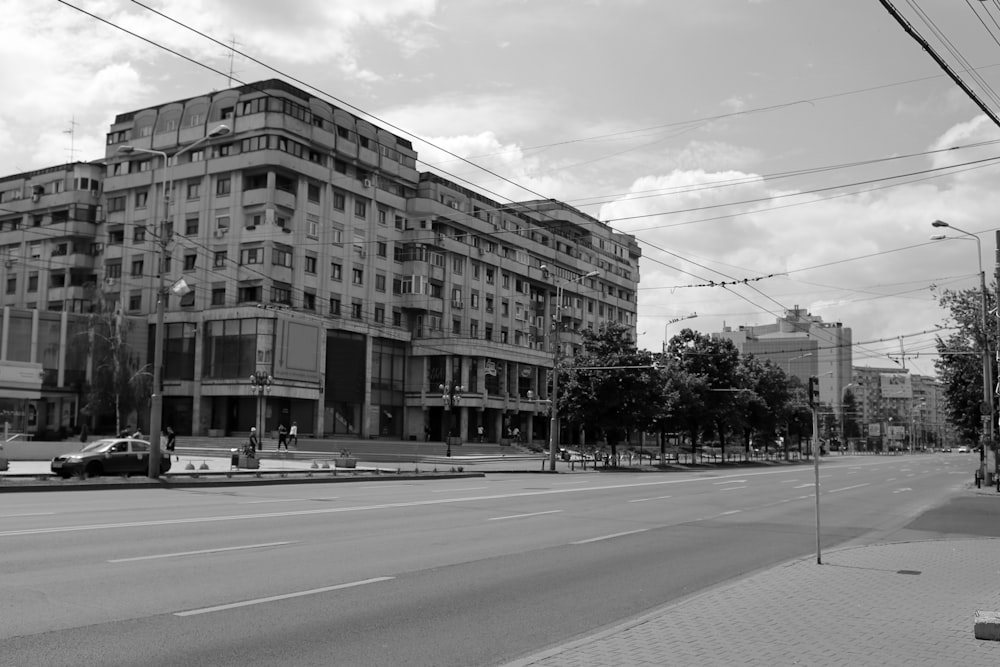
963 450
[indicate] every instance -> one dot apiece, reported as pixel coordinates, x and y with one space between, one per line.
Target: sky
766 154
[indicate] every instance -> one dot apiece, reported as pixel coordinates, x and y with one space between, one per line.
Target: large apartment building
299 241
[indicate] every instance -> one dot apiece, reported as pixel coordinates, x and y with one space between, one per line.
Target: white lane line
12 516
848 488
276 598
180 554
802 486
891 479
729 512
611 537
731 481
732 488
464 488
788 481
273 500
522 516
642 500
905 488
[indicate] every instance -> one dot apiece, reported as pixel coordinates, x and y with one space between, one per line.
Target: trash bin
234 461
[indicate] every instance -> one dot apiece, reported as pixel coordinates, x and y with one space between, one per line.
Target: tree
119 383
959 364
610 387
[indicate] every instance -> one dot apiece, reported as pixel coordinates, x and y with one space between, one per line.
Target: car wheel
93 469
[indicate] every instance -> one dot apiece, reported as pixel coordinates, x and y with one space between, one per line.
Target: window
252 256
456 326
360 208
356 309
475 270
135 302
219 261
116 204
380 314
339 201
335 306
488 332
141 198
249 293
137 265
187 300
113 270
474 299
218 296
310 264
194 190
474 328
397 318
337 236
191 227
281 256
33 281
312 193
281 294
197 155
383 216
223 186
312 225
381 248
490 276
489 304
139 234
309 301
380 282
336 271
505 280
358 276
11 284
457 265
222 223
189 262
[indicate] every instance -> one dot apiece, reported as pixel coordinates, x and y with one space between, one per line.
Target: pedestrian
126 432
479 433
138 434
84 432
293 434
517 435
253 444
281 437
427 434
171 439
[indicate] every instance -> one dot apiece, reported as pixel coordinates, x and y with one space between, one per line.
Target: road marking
788 481
642 500
11 516
276 598
729 512
732 488
891 479
467 488
611 537
273 500
521 516
180 554
848 488
731 481
905 488
802 486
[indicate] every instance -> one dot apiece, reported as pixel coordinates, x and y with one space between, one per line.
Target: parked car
946 449
108 456
963 450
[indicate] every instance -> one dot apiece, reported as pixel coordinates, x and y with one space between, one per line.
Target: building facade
298 242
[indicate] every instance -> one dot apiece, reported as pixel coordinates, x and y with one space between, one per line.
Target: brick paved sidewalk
910 603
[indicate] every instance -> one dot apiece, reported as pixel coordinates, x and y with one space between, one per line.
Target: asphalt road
453 572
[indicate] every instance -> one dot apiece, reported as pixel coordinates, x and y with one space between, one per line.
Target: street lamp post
987 407
156 400
674 321
451 395
554 418
260 382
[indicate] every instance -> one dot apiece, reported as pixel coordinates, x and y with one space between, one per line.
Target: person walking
171 440
281 437
293 434
254 444
479 433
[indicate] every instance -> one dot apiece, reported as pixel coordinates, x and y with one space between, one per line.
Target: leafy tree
764 394
606 401
120 384
959 364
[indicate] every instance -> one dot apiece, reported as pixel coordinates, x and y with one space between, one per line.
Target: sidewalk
909 603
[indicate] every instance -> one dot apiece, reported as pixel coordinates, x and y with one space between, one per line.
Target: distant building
802 345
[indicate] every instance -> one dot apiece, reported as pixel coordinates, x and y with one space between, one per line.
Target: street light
554 418
788 364
451 394
987 408
156 400
674 321
260 382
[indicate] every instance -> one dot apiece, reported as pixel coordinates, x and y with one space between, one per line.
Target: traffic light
813 391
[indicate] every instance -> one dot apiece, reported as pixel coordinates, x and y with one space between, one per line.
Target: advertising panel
896 385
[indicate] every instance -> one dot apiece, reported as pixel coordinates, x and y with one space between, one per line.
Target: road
450 572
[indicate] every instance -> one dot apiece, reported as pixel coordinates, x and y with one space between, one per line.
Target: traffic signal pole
814 408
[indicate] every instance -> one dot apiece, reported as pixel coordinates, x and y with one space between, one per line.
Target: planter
345 462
